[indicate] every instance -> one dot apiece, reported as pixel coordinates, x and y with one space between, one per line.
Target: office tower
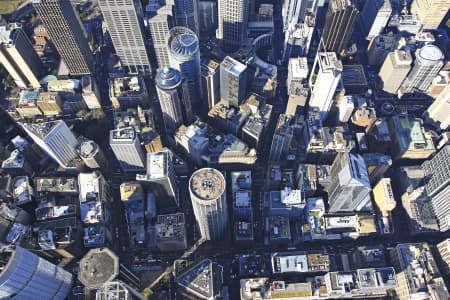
297 73
282 138
208 196
233 19
24 275
350 187
55 138
233 80
211 82
92 155
294 11
90 92
428 62
19 58
161 178
430 12
186 14
175 105
374 17
297 39
124 20
184 56
207 16
437 114
437 171
444 252
126 146
67 33
159 20
394 70
339 23
325 77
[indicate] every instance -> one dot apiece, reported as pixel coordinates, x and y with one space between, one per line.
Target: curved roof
184 42
429 55
168 78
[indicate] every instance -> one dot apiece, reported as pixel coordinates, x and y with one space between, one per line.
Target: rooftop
97 267
123 86
130 191
125 134
241 180
201 279
279 228
233 66
157 164
88 149
170 226
42 129
207 184
22 190
56 184
15 160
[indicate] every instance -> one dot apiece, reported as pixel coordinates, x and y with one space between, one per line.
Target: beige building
438 112
384 197
394 70
444 252
50 103
430 12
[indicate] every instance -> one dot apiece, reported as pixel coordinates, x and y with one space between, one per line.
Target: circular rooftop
429 55
183 41
168 78
88 148
207 184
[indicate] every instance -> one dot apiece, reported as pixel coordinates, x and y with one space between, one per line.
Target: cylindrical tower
175 110
184 56
207 190
92 155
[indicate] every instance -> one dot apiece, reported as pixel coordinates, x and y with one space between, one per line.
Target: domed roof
429 54
168 78
185 44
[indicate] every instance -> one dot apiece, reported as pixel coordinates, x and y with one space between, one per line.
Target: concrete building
161 178
90 92
297 74
50 103
173 99
207 191
377 165
381 45
171 232
384 195
184 56
436 114
92 155
339 23
233 19
126 146
299 262
430 13
19 58
394 70
282 138
55 138
297 39
17 164
428 62
437 170
210 82
233 81
375 16
444 253
186 14
350 186
409 139
67 34
133 198
207 16
127 91
27 276
125 26
325 77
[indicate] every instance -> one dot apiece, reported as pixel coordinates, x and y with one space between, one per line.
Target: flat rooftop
170 226
207 184
199 279
56 184
97 267
157 164
233 66
126 133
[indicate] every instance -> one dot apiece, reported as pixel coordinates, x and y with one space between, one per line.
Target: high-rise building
211 82
430 12
67 33
374 17
325 77
207 16
125 25
444 252
24 275
161 178
339 23
19 58
437 171
394 70
184 56
282 138
233 80
437 114
294 11
208 196
159 20
429 60
126 146
55 138
92 155
175 105
233 19
350 185
186 14
297 73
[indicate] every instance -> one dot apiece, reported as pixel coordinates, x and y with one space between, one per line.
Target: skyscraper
186 14
173 99
233 81
429 60
161 178
126 146
394 70
437 171
350 186
374 17
19 58
430 12
55 138
24 275
233 19
211 82
339 23
67 33
208 196
437 114
282 138
324 79
184 56
294 11
125 25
